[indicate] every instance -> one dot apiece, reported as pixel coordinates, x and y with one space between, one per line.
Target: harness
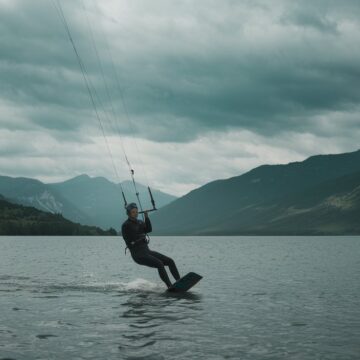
146 239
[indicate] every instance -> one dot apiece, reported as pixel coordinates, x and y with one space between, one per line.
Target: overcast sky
212 88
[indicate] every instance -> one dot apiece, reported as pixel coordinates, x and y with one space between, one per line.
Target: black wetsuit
134 233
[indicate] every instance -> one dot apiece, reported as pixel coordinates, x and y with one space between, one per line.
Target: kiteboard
185 283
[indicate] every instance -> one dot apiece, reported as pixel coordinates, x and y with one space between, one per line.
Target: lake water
260 298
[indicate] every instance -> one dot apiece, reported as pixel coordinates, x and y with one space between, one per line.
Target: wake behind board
185 283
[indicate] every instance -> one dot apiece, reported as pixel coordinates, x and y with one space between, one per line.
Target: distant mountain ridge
31 192
17 219
83 199
271 199
318 196
101 200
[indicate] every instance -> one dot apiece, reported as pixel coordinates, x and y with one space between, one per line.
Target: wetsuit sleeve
148 226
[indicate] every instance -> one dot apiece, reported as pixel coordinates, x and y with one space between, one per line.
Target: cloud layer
212 88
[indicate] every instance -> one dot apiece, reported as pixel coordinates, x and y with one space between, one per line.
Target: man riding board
134 232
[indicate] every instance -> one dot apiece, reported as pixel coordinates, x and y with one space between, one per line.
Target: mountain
30 192
91 201
24 220
332 207
101 200
272 199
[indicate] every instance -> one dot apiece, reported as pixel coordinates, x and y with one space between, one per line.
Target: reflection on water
260 298
153 317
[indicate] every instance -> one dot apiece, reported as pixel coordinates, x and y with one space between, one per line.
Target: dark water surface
261 298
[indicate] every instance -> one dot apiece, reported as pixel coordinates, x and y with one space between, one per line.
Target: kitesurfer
134 232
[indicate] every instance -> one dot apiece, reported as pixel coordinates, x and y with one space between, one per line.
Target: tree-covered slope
17 219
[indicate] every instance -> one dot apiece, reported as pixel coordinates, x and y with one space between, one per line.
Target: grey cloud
312 19
187 71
